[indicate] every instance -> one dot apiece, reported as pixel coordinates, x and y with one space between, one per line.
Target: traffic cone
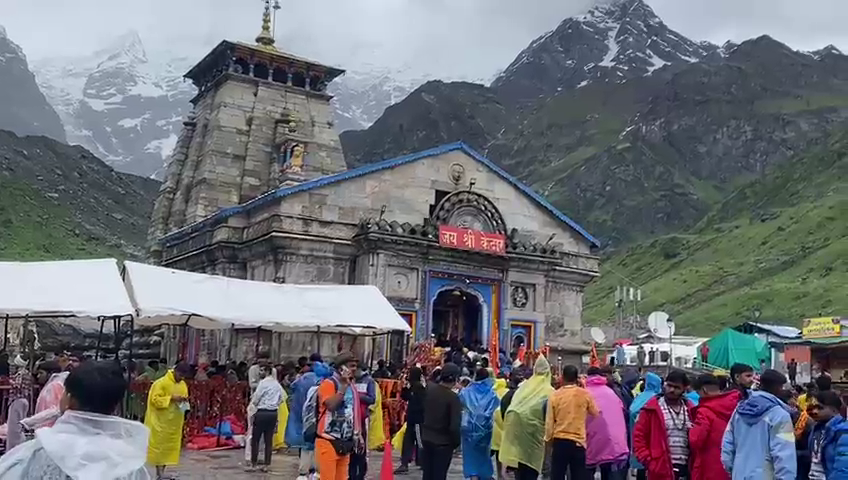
387 469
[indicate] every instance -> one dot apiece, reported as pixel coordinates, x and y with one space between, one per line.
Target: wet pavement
230 465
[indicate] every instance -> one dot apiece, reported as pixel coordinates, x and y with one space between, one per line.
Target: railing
211 401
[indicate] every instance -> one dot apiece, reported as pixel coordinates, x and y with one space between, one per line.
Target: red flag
522 350
386 469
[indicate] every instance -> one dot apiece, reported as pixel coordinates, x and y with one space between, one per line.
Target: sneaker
302 477
402 469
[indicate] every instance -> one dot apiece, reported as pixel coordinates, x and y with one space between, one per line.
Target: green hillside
60 202
778 244
32 228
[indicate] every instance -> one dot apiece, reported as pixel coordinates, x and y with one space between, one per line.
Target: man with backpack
315 372
338 430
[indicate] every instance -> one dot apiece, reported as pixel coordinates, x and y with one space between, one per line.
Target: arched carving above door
471 210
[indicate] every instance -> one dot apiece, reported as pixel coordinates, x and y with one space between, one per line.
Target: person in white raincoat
86 442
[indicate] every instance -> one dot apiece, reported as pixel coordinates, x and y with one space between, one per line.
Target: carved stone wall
563 311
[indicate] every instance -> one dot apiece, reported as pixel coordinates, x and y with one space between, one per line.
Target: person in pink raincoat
47 409
606 433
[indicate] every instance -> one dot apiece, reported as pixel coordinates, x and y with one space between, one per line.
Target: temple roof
223 49
282 192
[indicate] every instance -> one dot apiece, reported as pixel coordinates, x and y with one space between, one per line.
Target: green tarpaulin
730 346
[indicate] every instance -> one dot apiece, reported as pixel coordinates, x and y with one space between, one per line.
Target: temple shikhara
257 188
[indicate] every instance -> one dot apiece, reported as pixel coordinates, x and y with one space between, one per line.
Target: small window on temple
280 75
315 83
298 79
440 195
242 67
260 71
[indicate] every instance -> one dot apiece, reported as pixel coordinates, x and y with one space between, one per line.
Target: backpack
311 412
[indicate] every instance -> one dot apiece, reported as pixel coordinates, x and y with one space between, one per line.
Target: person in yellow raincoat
167 404
523 444
282 420
376 434
497 433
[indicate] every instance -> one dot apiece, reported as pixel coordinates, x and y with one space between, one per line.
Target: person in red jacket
661 432
711 416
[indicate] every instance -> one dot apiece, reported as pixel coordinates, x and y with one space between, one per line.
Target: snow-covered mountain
121 105
615 41
127 106
361 96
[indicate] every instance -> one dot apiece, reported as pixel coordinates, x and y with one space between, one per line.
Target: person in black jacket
413 393
440 429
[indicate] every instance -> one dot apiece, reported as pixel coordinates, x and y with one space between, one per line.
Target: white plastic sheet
176 297
75 288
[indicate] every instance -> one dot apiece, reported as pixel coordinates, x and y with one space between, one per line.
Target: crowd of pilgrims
524 423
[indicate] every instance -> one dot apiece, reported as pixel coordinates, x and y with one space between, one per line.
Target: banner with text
823 327
477 241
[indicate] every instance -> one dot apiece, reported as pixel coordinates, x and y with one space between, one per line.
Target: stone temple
257 188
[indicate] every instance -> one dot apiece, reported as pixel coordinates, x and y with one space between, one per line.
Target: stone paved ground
229 465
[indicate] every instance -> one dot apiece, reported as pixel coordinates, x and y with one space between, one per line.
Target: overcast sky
469 39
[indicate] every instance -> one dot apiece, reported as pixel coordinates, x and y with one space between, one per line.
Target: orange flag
593 357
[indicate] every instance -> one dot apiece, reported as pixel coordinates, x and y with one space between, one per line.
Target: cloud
469 39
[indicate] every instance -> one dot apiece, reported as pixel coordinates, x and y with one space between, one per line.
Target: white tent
75 288
176 297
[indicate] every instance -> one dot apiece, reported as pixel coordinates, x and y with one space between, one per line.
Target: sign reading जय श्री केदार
465 239
822 327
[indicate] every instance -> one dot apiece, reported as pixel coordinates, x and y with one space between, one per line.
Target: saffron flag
593 357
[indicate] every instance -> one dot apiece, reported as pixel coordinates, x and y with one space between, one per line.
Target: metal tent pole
6 333
116 327
130 346
99 339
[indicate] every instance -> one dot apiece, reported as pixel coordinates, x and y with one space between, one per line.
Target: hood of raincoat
524 423
596 380
500 387
322 370
89 445
757 405
722 405
653 387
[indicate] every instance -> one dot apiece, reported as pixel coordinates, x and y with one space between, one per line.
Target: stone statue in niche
520 297
293 154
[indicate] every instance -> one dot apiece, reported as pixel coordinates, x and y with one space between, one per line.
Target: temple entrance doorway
457 315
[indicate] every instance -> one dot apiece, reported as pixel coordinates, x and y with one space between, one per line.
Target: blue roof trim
282 192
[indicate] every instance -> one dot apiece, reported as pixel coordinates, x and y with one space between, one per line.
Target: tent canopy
176 297
730 346
75 288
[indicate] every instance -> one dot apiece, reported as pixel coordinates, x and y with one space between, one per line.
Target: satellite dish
597 335
660 324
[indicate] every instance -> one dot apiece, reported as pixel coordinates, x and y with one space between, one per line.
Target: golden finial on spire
266 38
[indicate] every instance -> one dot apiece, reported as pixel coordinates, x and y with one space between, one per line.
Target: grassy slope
779 244
32 228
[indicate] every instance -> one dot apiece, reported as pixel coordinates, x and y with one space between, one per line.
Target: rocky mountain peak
23 108
828 50
613 42
126 49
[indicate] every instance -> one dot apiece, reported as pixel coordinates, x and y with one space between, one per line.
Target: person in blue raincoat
294 427
653 387
479 403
